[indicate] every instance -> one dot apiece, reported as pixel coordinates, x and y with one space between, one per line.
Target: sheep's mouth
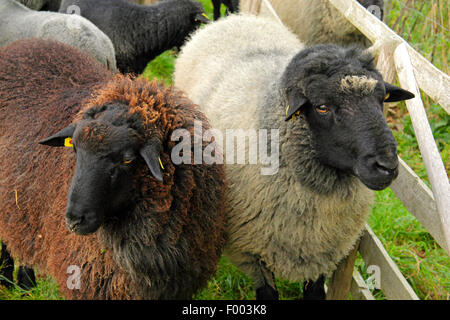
379 180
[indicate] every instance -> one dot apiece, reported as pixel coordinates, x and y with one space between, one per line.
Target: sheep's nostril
73 222
386 166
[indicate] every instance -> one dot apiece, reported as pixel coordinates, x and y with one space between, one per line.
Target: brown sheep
149 239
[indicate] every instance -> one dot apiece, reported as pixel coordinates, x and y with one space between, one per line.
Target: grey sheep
140 33
19 22
300 220
318 21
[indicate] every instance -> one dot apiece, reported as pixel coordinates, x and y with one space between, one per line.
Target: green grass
161 68
424 264
46 289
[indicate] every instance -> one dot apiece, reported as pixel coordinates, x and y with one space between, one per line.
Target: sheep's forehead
99 136
362 85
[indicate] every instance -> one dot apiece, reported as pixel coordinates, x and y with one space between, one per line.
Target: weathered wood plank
341 280
385 62
419 201
266 6
430 153
359 289
432 81
255 6
393 284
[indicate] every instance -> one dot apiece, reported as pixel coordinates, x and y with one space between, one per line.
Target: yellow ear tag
160 163
387 96
295 114
203 14
68 142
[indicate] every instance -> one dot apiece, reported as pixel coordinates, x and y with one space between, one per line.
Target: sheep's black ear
57 140
202 17
296 101
394 94
151 152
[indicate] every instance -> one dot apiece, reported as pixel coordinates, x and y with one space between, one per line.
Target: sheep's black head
195 11
375 6
198 13
341 96
108 150
190 16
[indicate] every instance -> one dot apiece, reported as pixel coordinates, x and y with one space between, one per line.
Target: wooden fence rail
435 83
395 57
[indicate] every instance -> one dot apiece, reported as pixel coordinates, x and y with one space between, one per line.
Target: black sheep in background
140 33
232 7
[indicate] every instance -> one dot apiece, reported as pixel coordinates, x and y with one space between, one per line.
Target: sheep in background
18 22
143 32
53 5
232 7
42 5
151 229
317 21
298 223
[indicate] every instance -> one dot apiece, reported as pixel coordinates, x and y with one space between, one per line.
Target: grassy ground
425 24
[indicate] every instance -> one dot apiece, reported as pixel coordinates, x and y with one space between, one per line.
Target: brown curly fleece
168 246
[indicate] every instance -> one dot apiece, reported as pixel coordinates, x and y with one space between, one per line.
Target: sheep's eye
322 109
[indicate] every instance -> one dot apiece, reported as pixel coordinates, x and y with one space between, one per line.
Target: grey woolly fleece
277 223
17 22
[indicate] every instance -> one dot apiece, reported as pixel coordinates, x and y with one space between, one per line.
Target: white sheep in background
247 72
317 21
19 22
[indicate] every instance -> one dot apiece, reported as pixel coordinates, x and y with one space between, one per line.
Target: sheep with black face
150 229
140 33
299 222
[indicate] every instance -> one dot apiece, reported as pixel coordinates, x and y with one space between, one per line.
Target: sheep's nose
83 221
387 164
74 220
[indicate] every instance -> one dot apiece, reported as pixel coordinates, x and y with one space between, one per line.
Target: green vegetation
425 24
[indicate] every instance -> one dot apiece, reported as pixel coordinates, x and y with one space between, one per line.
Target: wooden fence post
254 7
430 153
434 82
341 279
